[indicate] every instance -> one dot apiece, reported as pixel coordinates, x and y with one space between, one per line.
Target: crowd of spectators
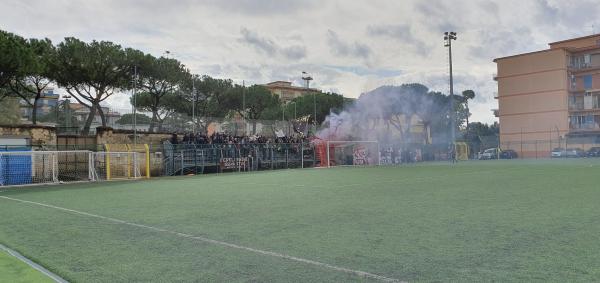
222 139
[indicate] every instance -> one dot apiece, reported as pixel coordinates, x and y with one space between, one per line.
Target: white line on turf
34 265
217 242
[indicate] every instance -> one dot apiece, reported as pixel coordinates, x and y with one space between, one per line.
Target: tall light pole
67 106
244 107
307 78
448 37
194 104
134 82
294 110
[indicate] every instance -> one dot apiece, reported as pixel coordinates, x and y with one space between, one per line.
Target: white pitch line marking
217 242
33 265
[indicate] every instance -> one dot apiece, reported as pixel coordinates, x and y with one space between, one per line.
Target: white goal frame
20 168
329 143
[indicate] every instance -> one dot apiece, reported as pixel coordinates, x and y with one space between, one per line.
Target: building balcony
583 68
584 128
580 108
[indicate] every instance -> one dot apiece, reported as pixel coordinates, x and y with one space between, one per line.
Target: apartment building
551 95
286 91
47 101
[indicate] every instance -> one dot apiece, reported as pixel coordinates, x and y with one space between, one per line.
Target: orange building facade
548 97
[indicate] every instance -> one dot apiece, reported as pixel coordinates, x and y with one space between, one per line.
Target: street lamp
448 37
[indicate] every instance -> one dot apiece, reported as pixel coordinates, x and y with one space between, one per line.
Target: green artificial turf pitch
475 221
15 271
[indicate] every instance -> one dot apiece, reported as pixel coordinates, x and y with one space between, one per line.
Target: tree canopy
92 72
15 56
33 78
159 77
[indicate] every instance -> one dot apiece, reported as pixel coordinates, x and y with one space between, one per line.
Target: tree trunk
89 120
254 127
408 135
153 122
34 110
467 104
102 116
36 100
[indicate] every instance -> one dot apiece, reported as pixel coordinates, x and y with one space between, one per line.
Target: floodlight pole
448 37
307 78
244 107
294 110
135 78
66 106
194 105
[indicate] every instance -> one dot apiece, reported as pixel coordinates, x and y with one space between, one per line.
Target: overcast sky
347 46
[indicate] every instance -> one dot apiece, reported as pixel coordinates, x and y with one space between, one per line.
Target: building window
587 82
572 102
596 100
587 60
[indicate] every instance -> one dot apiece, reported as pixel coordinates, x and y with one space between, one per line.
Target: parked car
490 153
508 154
558 152
575 152
594 152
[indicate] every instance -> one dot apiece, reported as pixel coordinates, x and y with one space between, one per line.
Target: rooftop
575 39
575 48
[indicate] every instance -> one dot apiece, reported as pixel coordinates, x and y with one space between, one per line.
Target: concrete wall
38 135
114 136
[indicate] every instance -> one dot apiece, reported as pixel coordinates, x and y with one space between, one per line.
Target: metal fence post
271 158
195 161
302 155
182 156
314 156
203 160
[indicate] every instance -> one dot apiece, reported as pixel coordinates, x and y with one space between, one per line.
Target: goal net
118 165
350 153
44 167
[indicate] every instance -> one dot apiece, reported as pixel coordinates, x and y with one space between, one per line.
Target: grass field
15 271
476 221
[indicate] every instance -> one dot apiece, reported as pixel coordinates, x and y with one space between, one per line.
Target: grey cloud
491 8
503 42
260 43
262 7
270 47
294 52
402 33
567 16
437 16
545 12
346 49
